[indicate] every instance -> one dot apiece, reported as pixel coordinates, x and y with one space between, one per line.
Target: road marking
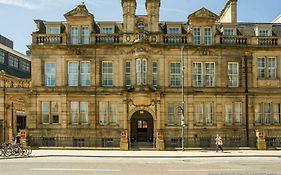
206 170
64 169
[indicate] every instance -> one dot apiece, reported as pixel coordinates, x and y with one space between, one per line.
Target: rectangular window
208 36
233 74
50 74
199 112
197 74
261 67
138 71
258 113
45 112
25 66
106 30
277 114
263 33
272 66
74 112
175 74
210 74
267 67
228 114
55 112
73 73
154 74
173 30
85 73
267 113
173 114
144 71
53 30
108 113
228 32
237 112
204 113
128 73
85 35
74 35
84 110
107 73
196 36
2 57
13 61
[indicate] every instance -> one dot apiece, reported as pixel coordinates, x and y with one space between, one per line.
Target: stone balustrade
175 39
234 40
42 39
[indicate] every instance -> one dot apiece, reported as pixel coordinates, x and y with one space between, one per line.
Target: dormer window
196 36
107 30
173 30
74 35
263 32
53 30
229 32
208 36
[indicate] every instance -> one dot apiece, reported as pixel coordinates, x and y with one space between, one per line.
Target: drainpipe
246 98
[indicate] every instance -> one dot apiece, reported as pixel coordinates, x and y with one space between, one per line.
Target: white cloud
21 3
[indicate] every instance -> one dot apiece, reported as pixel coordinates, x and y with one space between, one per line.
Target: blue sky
16 16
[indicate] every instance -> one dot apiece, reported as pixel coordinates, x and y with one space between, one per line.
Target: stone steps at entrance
142 146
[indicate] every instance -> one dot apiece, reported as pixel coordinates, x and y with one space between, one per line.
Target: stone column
160 144
124 144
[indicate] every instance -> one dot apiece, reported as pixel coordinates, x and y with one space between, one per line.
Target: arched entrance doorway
142 129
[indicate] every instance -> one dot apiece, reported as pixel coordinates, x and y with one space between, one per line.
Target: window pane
277 113
72 73
74 35
208 36
272 67
209 113
196 36
199 113
103 113
154 74
258 113
144 71
238 112
55 112
233 74
84 112
128 73
197 77
45 112
85 73
171 114
138 71
228 113
210 74
267 113
175 74
261 67
50 74
113 114
85 35
74 112
107 74
2 57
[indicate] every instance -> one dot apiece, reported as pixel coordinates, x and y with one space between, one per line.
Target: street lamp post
182 99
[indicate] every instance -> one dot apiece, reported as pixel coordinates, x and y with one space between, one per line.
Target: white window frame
128 73
73 73
173 114
141 71
207 36
233 74
107 73
85 35
45 112
85 73
74 35
196 35
50 74
175 74
84 113
74 112
269 68
276 114
108 113
210 74
197 72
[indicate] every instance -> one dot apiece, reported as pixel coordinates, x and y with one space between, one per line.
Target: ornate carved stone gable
204 52
80 10
203 13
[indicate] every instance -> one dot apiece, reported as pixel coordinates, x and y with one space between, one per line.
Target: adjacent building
135 82
15 75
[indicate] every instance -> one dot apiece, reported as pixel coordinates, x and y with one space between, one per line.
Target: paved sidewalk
155 154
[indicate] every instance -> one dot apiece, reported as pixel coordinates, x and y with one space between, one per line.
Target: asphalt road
141 166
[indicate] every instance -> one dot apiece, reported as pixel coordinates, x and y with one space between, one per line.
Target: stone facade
109 83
